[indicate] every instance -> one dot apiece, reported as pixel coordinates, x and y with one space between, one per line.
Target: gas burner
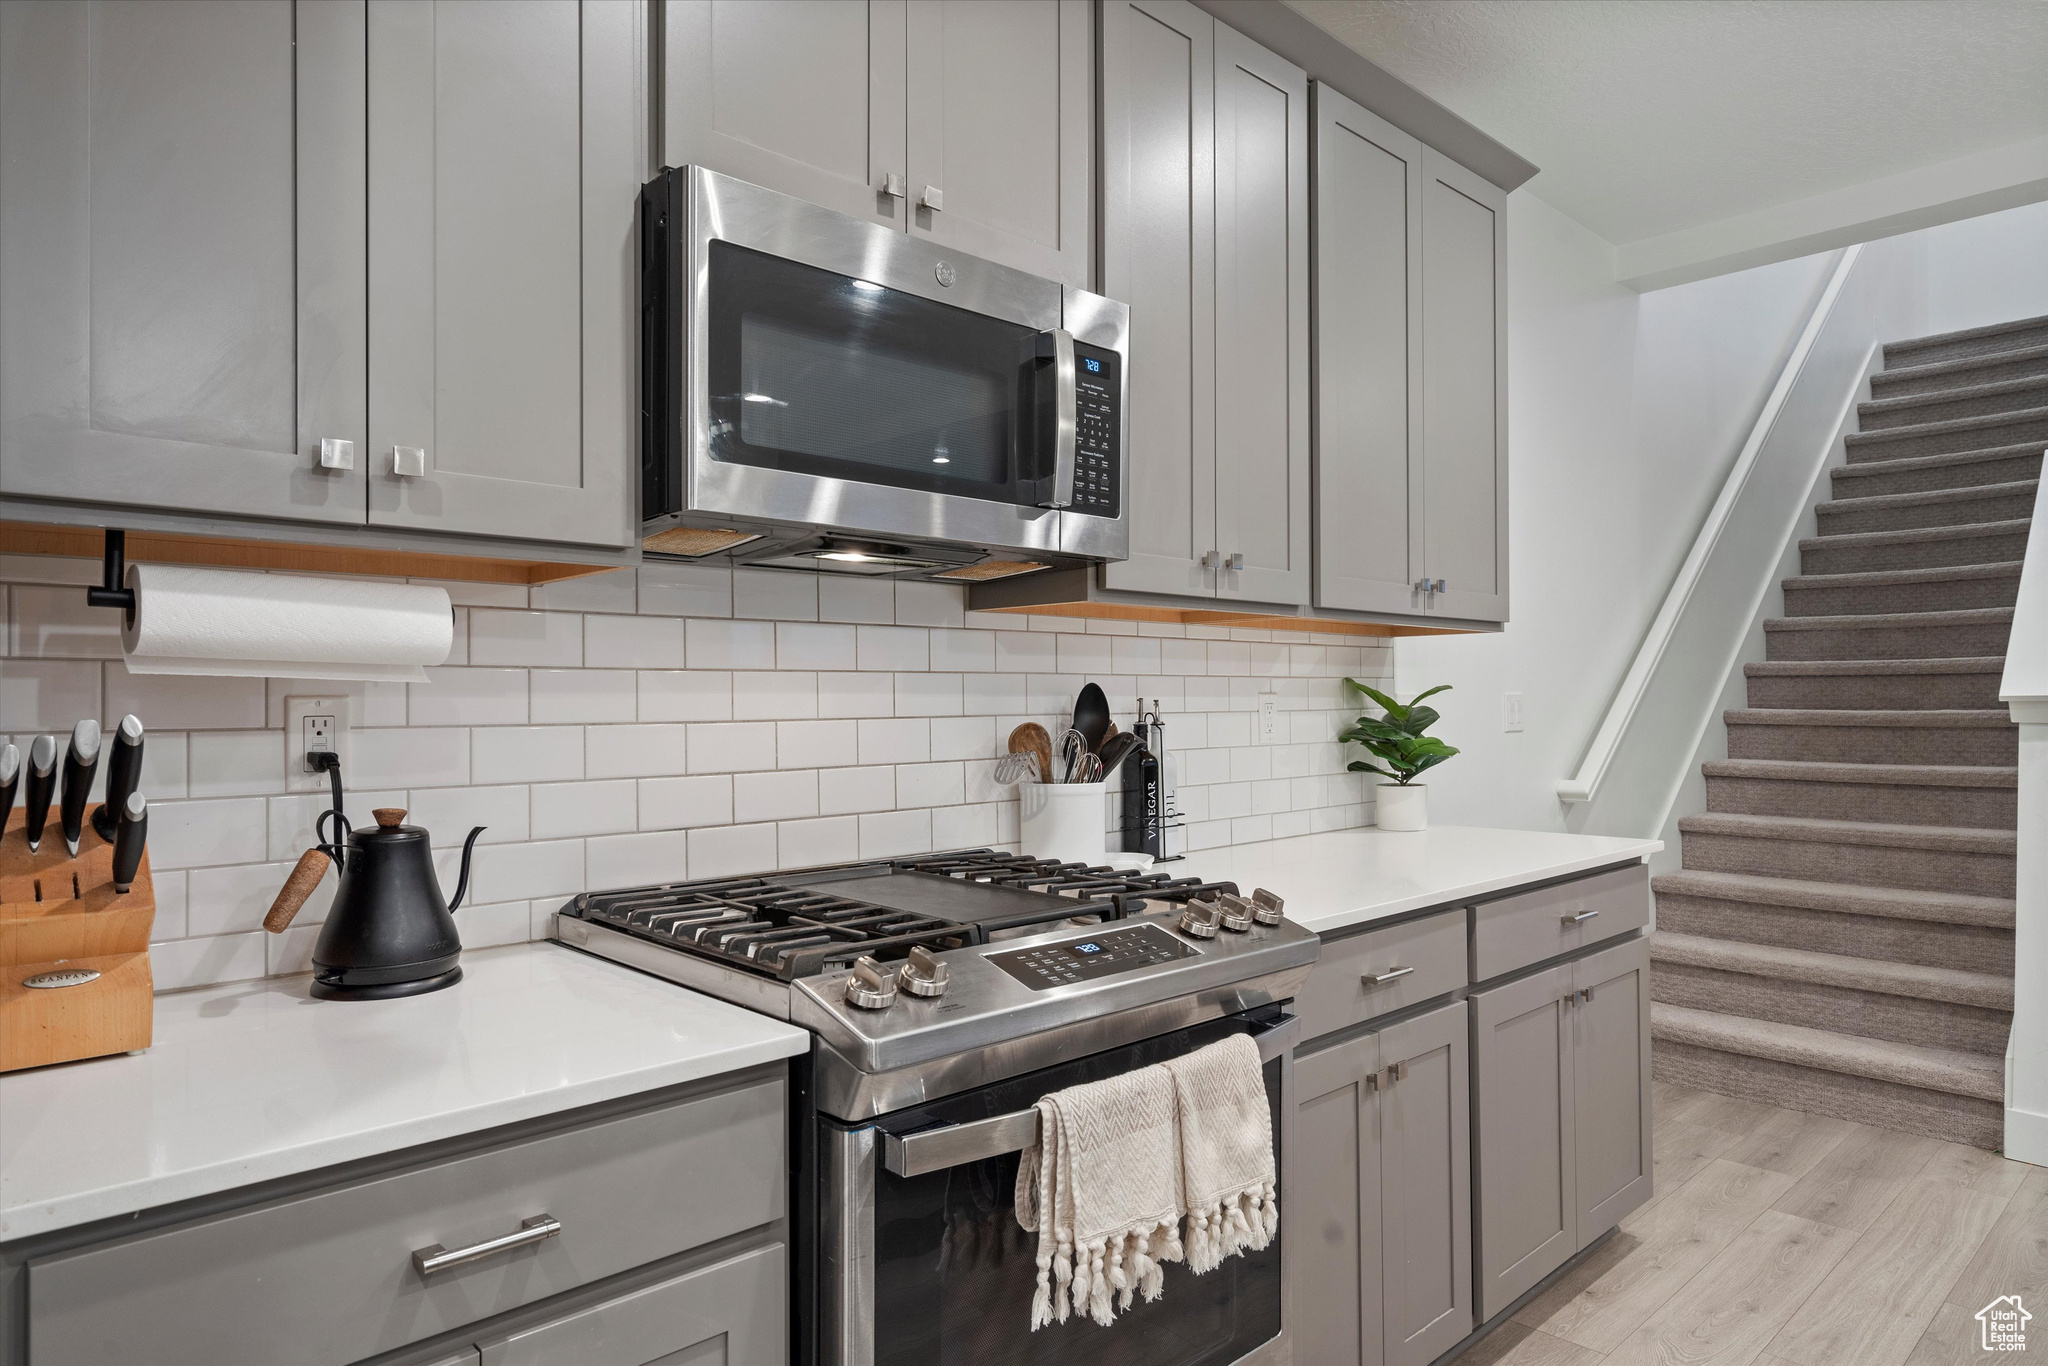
1124 891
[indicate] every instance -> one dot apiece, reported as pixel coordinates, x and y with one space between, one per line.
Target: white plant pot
1403 808
1064 821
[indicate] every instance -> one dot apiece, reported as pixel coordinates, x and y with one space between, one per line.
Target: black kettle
389 933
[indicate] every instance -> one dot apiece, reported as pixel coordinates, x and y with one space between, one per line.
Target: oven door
844 375
932 1269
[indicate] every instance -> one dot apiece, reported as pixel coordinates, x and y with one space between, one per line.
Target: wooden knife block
58 913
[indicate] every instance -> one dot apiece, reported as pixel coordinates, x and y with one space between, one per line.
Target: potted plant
1398 742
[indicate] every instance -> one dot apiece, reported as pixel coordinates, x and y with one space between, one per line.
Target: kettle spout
462 878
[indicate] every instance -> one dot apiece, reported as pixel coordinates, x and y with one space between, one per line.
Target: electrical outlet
1511 711
313 725
1269 718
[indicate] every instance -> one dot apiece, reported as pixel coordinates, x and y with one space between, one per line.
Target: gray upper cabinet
182 255
1368 392
802 96
1262 449
506 150
1464 391
966 121
1000 100
1159 256
1205 235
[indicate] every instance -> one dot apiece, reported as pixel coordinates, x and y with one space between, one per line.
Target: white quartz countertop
256 1080
1348 877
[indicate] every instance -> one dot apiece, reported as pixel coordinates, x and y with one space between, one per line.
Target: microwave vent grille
695 542
990 569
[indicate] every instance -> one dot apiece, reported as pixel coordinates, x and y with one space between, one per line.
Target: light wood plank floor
1782 1239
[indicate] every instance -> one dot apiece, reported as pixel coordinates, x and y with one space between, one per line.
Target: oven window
821 374
954 1274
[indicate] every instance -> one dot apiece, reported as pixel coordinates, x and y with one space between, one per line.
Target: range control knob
1200 919
1236 913
924 974
871 987
1266 907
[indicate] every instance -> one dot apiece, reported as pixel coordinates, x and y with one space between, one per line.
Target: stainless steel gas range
944 995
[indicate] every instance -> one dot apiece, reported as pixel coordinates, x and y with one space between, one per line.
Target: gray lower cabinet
182 255
1560 1112
1205 235
1382 1274
970 122
731 1312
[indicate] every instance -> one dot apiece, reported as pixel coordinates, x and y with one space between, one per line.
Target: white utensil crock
1064 821
1403 808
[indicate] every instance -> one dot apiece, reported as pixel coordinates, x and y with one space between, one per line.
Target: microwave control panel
1098 394
1083 960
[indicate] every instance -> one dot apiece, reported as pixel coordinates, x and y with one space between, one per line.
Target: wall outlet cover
310 724
1269 718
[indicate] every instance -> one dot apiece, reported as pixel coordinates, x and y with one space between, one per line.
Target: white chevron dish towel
1226 1152
1102 1190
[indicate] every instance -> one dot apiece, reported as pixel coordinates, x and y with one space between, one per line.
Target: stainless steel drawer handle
1580 918
1380 979
539 1228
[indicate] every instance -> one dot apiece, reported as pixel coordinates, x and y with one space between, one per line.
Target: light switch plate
1511 711
313 723
1269 718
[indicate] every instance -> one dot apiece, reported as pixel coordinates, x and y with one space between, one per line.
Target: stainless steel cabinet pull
1378 979
1423 586
1372 1081
408 462
893 186
1586 995
336 454
1580 918
1437 587
1235 562
1212 559
1397 1071
933 198
434 1257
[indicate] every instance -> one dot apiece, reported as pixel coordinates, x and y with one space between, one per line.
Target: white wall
1625 411
1987 270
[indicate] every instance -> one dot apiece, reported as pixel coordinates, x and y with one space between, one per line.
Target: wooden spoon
1032 738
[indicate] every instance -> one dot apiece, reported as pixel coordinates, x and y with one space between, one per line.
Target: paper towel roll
224 621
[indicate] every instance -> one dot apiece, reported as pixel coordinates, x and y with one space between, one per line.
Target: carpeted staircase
1840 939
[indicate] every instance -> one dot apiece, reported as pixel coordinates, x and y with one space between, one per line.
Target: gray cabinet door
1159 256
1368 360
181 255
731 1313
507 148
1001 100
1525 1177
1335 1206
1611 1083
1425 1187
801 96
1464 390
1262 374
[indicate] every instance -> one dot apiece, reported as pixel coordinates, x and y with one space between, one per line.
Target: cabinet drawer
329 1277
734 1311
1338 993
1515 931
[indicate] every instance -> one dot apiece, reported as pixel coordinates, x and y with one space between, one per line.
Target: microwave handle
1066 417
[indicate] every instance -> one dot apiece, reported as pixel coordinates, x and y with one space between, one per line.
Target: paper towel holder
111 591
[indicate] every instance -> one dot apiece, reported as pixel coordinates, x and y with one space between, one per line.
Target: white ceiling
1651 116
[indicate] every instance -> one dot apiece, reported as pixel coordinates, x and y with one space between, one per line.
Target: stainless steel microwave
825 393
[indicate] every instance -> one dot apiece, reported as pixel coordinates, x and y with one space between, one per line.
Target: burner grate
1123 893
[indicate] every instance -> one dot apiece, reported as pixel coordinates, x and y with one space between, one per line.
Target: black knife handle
81 761
128 841
10 776
39 787
124 774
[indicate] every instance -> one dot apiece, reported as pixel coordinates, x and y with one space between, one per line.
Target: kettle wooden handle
306 875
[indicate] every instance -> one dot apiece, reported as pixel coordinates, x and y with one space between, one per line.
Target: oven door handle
953 1145
1066 420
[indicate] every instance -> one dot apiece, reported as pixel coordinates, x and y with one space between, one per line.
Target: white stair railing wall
2024 690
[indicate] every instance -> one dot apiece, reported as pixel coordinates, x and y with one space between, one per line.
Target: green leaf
1358 766
1429 692
1420 719
1387 704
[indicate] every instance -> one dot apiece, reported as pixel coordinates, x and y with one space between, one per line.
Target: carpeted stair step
1983 798
1966 373
1936 507
1921 473
1876 684
1960 634
1963 738
1924 548
2020 334
1886 591
1934 929
1946 438
1919 857
1943 1093
1980 400
1950 1008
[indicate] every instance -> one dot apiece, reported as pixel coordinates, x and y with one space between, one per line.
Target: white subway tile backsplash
464 593
634 726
